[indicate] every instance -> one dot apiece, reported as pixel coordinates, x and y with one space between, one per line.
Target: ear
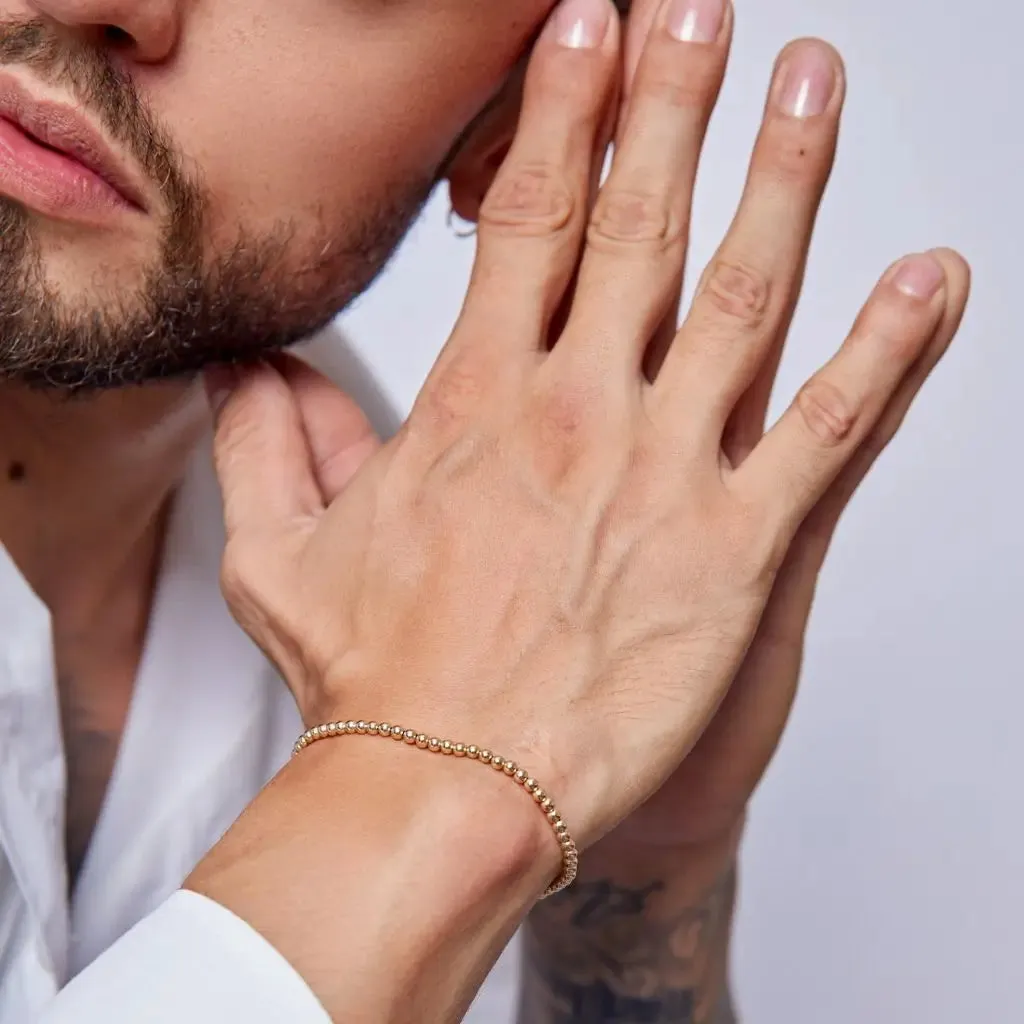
483 150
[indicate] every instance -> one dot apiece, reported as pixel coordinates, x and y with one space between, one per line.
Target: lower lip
53 183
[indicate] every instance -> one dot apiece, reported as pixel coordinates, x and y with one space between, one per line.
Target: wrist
691 864
410 868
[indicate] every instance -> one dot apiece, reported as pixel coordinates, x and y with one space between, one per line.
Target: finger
338 434
638 25
260 452
531 221
818 528
636 241
755 710
799 458
642 16
747 295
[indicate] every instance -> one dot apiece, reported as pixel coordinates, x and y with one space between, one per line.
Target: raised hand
556 558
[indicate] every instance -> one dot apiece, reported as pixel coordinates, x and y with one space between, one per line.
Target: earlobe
470 180
484 148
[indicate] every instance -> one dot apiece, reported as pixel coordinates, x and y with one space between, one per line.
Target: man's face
185 181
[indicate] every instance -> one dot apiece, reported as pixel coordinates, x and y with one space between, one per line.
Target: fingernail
581 24
219 382
694 21
808 79
920 277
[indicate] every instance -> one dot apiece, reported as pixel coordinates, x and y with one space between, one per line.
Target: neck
84 483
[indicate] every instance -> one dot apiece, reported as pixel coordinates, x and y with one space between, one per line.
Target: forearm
641 938
390 879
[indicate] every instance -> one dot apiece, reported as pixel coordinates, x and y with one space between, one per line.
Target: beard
192 307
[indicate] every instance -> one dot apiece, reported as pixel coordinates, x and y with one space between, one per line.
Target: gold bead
350 727
553 816
361 728
320 730
472 753
384 729
434 744
546 803
511 768
485 756
397 732
446 747
530 785
410 736
520 776
332 729
460 749
539 794
371 728
497 763
561 827
421 741
566 843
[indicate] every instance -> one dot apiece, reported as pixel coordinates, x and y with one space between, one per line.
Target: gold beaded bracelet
570 855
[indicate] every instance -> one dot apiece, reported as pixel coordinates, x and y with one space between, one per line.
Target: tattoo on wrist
604 953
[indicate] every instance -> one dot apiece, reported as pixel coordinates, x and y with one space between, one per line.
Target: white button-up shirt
210 722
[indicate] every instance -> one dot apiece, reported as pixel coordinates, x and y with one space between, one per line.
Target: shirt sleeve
190 962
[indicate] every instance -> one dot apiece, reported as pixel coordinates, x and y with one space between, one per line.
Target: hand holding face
558 558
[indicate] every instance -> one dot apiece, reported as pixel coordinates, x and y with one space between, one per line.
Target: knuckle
901 336
666 87
681 85
456 391
738 292
826 412
529 199
562 418
563 412
628 217
895 323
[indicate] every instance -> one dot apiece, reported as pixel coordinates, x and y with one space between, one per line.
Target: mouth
55 162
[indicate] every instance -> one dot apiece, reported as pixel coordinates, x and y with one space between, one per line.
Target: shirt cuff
190 960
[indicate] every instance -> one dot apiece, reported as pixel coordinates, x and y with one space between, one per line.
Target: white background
883 872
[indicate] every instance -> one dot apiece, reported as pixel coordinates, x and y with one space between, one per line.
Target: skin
257 168
611 492
82 517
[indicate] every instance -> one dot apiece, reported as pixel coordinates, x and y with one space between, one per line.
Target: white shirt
210 722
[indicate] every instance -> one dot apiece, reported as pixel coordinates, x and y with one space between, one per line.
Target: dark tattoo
605 953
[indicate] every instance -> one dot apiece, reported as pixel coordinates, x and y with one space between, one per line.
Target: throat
93 719
83 511
97 658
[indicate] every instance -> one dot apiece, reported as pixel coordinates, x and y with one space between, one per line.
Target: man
188 184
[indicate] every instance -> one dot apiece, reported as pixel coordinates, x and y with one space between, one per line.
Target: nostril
115 36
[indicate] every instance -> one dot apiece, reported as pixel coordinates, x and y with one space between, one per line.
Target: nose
147 30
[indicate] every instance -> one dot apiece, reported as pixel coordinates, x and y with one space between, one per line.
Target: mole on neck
16 472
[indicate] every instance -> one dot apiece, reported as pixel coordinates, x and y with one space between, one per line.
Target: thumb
338 434
260 451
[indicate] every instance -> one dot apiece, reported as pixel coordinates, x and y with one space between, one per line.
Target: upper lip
63 128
